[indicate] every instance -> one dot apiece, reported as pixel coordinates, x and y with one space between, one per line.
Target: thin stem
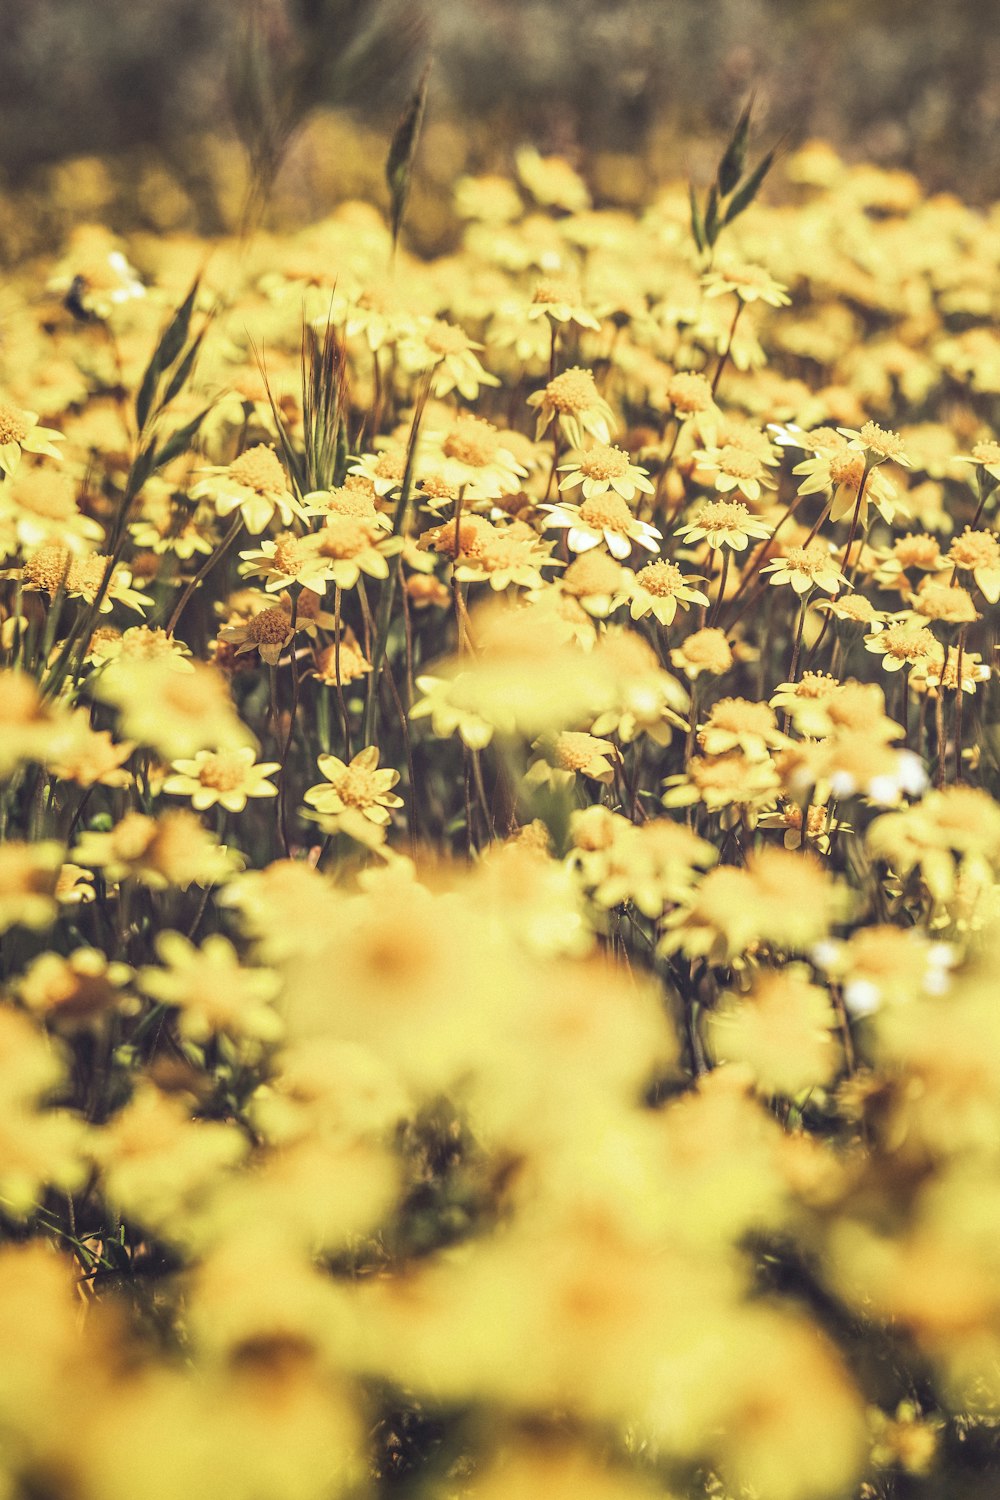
724 574
729 346
204 571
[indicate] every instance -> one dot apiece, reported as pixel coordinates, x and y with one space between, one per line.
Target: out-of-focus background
125 108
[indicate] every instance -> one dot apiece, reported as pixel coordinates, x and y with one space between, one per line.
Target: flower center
572 392
847 468
722 515
606 513
663 579
604 462
987 453
224 773
737 463
473 442
975 549
879 440
689 392
47 568
14 426
258 468
344 537
269 628
909 645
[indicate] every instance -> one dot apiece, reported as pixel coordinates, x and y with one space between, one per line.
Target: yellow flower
750 283
986 457
782 1028
603 467
841 472
175 713
978 553
705 650
658 588
52 567
473 455
551 180
724 523
20 432
43 506
172 849
76 993
573 399
806 568
950 832
585 755
86 756
345 548
949 604
347 660
903 645
783 899
213 991
28 875
723 781
354 795
226 777
740 724
269 631
384 470
506 558
944 672
255 484
562 303
598 581
444 348
284 560
734 468
606 517
872 439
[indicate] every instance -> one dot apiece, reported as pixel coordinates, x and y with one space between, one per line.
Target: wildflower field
499 849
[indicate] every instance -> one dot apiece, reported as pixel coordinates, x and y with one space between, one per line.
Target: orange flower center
270 628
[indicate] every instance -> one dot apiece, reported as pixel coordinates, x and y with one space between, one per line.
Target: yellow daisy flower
226 777
20 433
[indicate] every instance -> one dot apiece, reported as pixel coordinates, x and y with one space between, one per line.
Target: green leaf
697 227
712 225
171 343
399 163
735 155
748 192
183 371
180 441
